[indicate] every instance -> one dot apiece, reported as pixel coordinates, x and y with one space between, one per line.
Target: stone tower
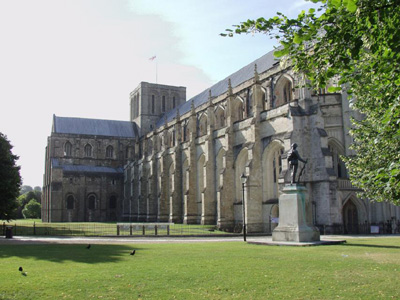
150 101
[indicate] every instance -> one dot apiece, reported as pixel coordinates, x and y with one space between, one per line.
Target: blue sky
82 58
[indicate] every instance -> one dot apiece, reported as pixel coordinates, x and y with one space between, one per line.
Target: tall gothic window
173 102
92 202
127 152
337 163
70 202
163 103
109 152
88 150
282 92
184 132
249 102
287 92
113 202
152 104
277 164
173 138
137 104
68 149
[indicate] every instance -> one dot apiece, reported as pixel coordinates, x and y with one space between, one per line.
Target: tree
24 199
32 210
25 189
10 180
356 43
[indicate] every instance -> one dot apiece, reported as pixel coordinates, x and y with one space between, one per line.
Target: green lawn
367 268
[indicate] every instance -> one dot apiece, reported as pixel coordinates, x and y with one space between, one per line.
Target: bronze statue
293 159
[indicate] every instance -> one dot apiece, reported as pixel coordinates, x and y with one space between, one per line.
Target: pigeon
133 252
20 269
88 246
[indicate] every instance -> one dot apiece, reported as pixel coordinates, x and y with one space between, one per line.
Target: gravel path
18 240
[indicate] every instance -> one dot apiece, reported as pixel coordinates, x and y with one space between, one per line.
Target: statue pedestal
293 225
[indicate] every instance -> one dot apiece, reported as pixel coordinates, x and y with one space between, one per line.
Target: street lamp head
243 178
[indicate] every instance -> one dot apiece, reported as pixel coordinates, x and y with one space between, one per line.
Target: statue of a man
293 159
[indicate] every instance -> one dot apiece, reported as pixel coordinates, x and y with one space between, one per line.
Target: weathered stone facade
188 157
83 178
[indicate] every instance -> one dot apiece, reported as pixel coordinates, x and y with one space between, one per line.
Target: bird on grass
21 270
88 246
133 252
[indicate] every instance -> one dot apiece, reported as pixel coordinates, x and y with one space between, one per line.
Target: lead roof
264 63
112 128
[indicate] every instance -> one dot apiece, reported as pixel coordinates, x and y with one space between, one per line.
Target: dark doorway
350 218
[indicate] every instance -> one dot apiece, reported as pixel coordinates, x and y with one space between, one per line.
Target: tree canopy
25 198
10 180
32 210
357 44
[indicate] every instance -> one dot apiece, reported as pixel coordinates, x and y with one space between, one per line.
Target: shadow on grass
373 246
62 253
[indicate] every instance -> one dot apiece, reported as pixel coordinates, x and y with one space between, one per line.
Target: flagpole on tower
155 58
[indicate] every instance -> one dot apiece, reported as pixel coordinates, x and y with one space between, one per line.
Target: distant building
181 161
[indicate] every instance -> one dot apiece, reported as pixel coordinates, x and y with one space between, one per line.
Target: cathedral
184 161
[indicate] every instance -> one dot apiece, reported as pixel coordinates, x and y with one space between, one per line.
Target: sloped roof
85 126
264 63
85 168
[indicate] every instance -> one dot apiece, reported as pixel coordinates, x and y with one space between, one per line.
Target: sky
82 58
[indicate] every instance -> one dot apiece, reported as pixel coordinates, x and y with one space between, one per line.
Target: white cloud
83 58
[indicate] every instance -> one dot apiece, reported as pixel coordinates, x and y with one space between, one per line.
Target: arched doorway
350 218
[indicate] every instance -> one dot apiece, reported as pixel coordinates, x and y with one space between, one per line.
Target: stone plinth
293 225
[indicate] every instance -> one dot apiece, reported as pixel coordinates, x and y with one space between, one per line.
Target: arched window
272 169
184 132
137 104
287 92
127 152
149 146
173 102
338 165
91 202
282 92
109 151
277 164
220 118
202 130
88 150
265 98
68 149
173 137
70 202
163 103
249 102
113 202
239 108
152 104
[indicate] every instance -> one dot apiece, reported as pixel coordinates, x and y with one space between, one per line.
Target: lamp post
243 179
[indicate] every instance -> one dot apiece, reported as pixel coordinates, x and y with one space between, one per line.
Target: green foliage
32 210
10 180
24 199
25 189
355 43
361 269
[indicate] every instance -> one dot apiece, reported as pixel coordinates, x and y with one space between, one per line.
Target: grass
364 268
